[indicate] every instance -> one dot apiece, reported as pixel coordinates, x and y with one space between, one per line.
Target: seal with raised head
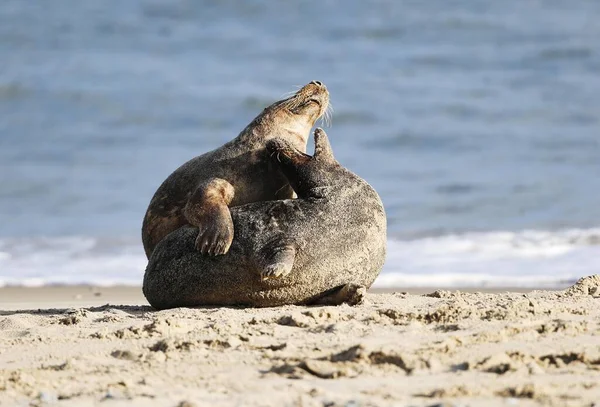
200 192
318 248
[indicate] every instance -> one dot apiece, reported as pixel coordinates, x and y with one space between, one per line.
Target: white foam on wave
494 259
71 260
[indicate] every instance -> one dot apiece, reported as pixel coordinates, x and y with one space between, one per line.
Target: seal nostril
318 83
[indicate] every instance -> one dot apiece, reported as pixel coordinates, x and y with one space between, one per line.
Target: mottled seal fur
315 249
200 192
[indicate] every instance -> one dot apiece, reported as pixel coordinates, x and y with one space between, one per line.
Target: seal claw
215 240
276 270
279 261
208 209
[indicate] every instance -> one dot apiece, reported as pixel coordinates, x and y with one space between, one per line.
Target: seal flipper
323 151
351 294
278 260
307 175
208 210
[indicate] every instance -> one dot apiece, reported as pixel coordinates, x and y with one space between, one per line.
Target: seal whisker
279 190
288 94
326 118
292 103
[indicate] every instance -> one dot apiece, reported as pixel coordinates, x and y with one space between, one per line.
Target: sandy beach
83 346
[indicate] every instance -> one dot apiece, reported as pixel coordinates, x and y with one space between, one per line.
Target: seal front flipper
277 260
307 175
207 208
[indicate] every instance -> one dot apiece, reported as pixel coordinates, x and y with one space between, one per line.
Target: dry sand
396 349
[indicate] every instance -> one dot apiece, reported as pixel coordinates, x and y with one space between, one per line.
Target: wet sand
72 296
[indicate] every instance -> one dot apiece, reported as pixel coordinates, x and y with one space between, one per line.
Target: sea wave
527 258
71 260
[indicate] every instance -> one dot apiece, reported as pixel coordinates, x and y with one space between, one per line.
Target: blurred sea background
478 122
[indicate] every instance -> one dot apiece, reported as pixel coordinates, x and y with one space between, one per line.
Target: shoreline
78 296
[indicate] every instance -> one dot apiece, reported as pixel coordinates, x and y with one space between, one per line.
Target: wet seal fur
318 249
200 192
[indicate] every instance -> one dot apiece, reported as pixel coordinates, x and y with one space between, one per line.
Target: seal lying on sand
200 192
294 251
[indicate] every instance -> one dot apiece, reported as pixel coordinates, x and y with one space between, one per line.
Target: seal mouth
313 100
317 101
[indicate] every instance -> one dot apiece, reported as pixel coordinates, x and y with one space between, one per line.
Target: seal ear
323 149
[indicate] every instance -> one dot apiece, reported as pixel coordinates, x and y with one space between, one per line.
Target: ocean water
477 122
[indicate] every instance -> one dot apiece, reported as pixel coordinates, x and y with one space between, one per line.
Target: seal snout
316 92
314 88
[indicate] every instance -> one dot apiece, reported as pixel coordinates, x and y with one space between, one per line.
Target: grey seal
318 248
200 192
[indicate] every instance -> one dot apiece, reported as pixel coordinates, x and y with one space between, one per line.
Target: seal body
200 192
292 251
